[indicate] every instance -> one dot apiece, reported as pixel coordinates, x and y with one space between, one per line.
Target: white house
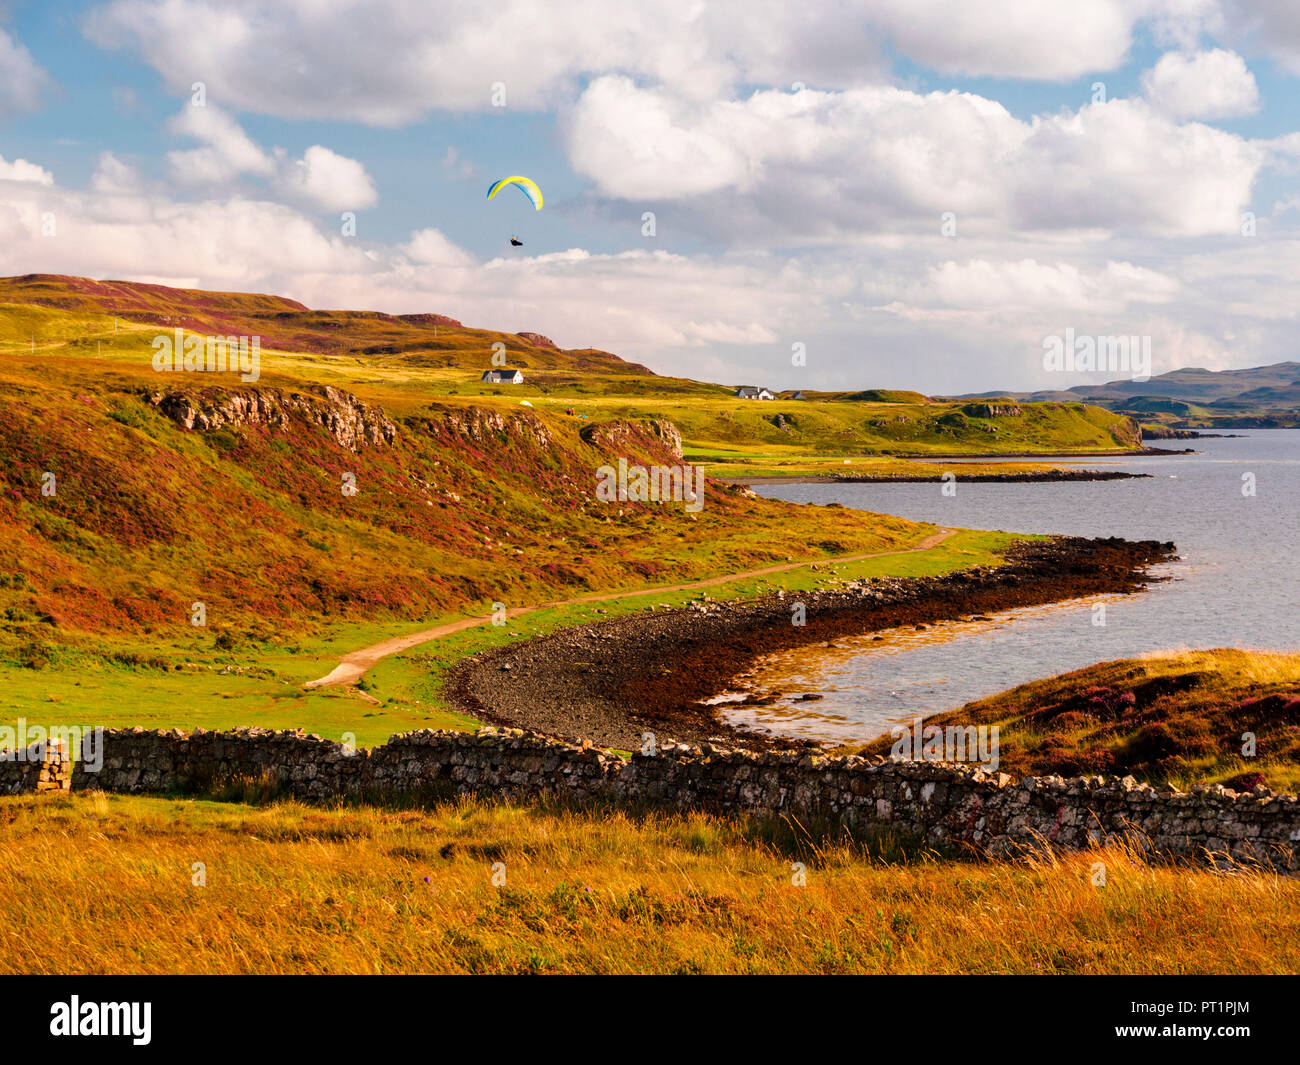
750 392
503 377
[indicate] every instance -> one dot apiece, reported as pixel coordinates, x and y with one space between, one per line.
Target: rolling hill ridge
1190 397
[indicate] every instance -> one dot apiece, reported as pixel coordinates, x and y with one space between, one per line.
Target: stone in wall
42 767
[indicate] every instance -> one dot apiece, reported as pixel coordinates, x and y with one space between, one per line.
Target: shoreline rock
1043 476
612 681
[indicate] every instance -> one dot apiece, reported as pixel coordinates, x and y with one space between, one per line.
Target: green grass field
193 684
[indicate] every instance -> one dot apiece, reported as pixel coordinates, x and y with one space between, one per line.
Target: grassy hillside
175 489
400 362
858 428
291 889
419 340
198 679
454 505
1178 717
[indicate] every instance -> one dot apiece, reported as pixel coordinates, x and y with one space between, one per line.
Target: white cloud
820 165
22 81
1268 26
1121 167
884 316
330 181
719 332
430 247
322 179
22 170
1028 284
306 60
1010 38
227 150
646 143
1213 84
114 177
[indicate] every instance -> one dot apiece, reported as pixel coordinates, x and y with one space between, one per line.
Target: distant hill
1256 395
423 339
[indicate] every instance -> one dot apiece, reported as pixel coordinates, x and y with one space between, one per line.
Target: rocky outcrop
484 424
1127 432
430 319
1164 432
948 805
350 422
655 437
993 410
537 340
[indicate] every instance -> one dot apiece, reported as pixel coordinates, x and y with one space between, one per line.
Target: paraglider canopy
525 185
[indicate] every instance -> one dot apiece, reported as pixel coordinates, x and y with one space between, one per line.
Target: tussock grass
104 884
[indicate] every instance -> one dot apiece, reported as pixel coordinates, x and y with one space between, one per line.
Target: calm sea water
1236 585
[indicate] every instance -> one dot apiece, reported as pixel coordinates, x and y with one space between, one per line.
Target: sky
823 194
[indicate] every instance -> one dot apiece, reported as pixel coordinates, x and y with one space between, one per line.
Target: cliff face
654 437
483 424
351 423
1127 432
537 340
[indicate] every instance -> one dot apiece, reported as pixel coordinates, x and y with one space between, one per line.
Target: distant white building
503 377
750 392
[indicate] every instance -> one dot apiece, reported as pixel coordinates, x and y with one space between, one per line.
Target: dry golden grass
104 884
1239 667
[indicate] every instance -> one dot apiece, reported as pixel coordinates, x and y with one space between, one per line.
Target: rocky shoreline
1164 432
1041 456
651 672
1028 477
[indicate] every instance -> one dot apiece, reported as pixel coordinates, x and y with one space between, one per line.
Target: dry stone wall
941 804
40 767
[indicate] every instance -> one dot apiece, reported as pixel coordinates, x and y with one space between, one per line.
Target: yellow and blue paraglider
525 185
